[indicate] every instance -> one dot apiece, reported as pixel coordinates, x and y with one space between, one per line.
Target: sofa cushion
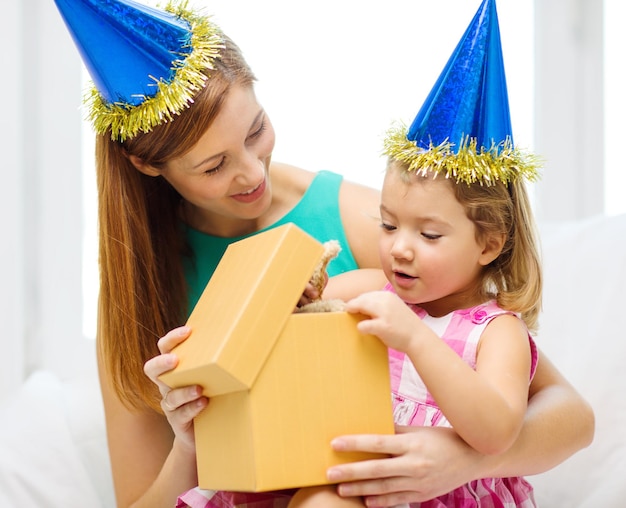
53 444
581 331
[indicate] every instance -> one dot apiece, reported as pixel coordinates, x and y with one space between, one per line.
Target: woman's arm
427 461
151 465
143 458
558 423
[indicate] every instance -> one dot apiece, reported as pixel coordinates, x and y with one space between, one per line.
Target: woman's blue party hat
146 63
463 129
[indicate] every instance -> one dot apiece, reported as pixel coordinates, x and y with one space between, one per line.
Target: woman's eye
214 169
258 132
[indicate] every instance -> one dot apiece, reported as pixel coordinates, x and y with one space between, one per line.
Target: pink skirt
198 498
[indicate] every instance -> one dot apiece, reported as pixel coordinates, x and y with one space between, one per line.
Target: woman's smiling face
223 178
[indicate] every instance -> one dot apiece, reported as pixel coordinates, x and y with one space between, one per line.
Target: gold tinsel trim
501 162
126 120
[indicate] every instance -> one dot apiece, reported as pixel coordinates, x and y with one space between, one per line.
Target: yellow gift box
281 385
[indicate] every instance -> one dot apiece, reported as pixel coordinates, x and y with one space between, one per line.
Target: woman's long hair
143 293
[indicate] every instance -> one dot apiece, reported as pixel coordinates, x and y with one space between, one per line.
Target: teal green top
317 213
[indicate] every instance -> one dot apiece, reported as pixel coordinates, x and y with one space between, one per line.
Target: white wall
11 212
356 66
615 107
570 108
40 259
333 75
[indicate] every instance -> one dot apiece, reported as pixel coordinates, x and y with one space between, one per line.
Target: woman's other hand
180 405
422 463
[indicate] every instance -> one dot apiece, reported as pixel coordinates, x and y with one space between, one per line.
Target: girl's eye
215 169
258 132
387 227
431 236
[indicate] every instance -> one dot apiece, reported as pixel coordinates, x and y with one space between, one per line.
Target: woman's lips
252 195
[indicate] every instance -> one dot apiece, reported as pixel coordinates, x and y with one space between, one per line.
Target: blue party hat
463 129
146 63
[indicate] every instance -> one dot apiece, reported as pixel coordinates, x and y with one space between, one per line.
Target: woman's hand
180 405
423 462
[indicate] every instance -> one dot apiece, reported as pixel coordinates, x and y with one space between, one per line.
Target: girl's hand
391 320
180 405
423 463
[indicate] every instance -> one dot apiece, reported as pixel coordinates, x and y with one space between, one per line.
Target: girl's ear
143 167
491 249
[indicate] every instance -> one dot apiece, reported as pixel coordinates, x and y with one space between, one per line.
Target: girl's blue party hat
463 129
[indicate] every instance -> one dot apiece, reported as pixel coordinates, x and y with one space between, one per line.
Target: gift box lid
243 310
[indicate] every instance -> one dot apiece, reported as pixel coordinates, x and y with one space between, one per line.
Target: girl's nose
401 248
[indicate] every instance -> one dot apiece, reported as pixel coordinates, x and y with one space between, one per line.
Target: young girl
463 289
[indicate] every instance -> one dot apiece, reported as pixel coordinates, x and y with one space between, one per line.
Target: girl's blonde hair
514 279
143 293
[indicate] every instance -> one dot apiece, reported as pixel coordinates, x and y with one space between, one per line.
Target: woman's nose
251 169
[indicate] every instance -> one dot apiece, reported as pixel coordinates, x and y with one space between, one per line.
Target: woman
176 186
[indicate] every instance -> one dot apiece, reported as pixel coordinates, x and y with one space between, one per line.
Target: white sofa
583 333
53 446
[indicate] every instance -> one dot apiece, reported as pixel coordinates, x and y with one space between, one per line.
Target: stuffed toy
318 281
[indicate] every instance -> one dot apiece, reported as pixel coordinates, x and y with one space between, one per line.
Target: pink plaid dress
198 498
413 405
